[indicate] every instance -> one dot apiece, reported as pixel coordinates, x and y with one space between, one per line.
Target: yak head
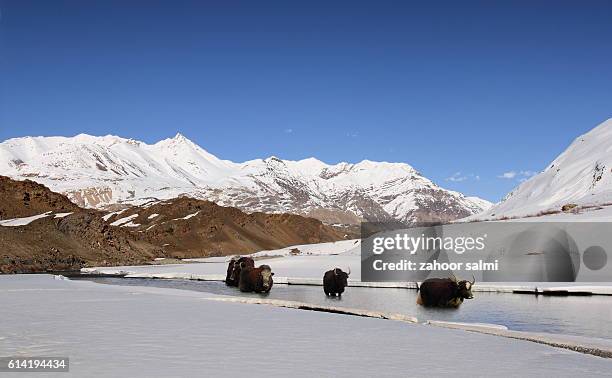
266 276
235 274
230 267
342 277
464 288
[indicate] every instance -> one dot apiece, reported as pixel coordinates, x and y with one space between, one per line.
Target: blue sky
463 91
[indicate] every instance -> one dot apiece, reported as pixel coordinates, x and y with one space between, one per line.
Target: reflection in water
584 316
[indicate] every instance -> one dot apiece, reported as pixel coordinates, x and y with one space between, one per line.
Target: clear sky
464 91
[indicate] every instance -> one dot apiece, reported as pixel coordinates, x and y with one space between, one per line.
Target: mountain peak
177 140
180 137
275 160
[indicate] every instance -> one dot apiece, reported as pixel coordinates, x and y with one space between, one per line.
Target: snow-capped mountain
99 171
581 175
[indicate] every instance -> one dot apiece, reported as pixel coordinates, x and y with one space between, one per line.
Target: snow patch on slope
125 220
23 221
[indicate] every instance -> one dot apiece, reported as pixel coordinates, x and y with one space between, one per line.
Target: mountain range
103 172
163 200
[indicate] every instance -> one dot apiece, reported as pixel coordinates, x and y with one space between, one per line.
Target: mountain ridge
101 171
580 176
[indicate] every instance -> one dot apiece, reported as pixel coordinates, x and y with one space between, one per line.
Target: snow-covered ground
333 248
311 263
134 331
591 214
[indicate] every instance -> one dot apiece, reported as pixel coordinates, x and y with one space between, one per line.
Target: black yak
444 292
334 281
232 277
230 269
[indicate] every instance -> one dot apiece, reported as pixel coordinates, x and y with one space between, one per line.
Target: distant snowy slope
480 203
581 175
99 171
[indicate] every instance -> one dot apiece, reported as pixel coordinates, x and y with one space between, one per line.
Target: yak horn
473 279
349 271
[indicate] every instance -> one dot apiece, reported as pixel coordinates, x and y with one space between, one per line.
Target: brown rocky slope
26 198
179 228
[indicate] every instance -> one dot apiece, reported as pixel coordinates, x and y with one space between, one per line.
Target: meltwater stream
582 316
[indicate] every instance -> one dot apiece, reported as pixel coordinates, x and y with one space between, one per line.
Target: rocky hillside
95 172
26 198
186 227
41 230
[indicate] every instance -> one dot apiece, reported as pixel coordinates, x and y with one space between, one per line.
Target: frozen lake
574 315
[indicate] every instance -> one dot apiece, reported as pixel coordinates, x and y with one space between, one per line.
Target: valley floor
308 268
136 331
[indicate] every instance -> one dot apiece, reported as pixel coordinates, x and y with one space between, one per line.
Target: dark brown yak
257 279
232 277
444 292
334 281
230 269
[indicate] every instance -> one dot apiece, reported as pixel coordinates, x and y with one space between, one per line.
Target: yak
234 267
257 279
334 281
444 292
230 269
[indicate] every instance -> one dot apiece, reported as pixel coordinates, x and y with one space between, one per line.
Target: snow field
132 331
